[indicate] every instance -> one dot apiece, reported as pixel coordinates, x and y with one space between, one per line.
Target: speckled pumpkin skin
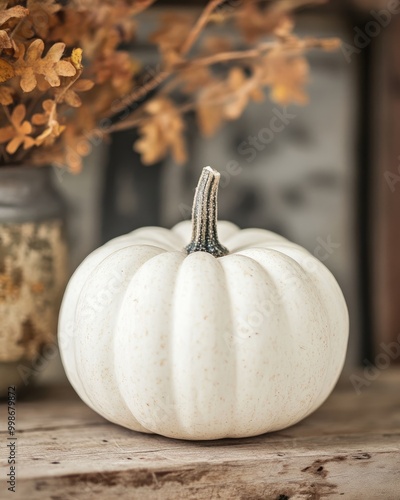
198 347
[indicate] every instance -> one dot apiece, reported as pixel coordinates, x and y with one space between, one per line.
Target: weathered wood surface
349 449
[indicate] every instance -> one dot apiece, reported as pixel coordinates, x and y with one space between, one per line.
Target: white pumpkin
199 343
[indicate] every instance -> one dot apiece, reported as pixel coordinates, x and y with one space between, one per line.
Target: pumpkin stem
204 216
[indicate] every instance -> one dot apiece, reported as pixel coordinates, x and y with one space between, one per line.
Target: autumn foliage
70 74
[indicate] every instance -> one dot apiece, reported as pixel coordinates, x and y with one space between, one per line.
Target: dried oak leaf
70 95
75 27
241 89
51 67
226 100
17 133
76 146
117 68
99 30
41 18
76 58
49 118
6 94
161 132
194 78
6 71
42 118
255 22
209 116
173 31
67 152
286 76
5 40
17 12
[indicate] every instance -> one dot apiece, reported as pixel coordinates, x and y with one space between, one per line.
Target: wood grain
350 448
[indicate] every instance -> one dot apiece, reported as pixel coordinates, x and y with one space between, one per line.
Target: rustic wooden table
350 448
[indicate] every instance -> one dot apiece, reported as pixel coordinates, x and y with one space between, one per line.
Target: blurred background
328 180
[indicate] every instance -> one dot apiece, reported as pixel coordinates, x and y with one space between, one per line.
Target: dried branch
302 45
53 106
160 77
200 25
233 56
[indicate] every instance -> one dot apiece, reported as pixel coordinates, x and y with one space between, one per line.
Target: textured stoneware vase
33 270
